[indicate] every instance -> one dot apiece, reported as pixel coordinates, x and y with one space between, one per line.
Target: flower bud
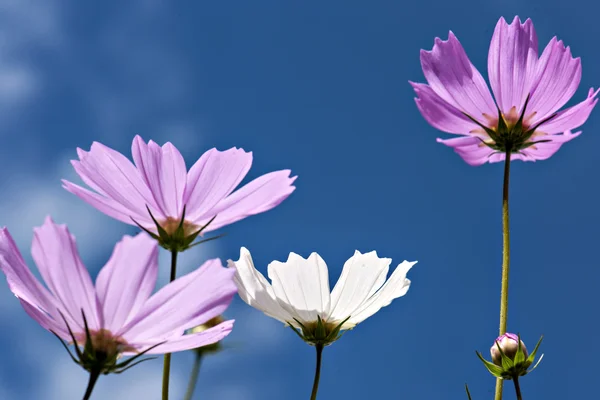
509 344
509 359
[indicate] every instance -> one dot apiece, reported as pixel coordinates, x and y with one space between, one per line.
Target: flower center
510 132
319 332
105 343
171 224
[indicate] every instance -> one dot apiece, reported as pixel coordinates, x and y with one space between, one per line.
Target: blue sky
320 88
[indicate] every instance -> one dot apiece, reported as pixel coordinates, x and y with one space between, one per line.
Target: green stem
167 360
517 388
193 376
505 261
315 389
94 375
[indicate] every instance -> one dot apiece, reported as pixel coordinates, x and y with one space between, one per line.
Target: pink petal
259 195
439 113
117 178
543 151
212 178
557 78
452 76
187 302
511 63
163 170
470 148
572 117
21 281
499 157
56 256
191 341
127 280
51 323
109 206
539 151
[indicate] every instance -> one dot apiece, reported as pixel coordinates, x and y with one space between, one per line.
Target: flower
524 120
510 359
118 316
509 345
161 196
299 294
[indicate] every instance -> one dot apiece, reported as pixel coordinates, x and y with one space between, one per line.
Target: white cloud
30 197
26 23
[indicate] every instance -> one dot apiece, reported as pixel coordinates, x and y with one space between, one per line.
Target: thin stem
517 388
505 261
173 265
315 389
167 360
193 376
94 375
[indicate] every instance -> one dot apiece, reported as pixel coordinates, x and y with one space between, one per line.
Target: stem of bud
194 375
517 388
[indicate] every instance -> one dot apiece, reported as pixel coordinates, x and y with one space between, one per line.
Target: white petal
395 287
362 276
254 289
301 286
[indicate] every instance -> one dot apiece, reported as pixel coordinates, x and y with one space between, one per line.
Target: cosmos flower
300 297
119 315
529 91
157 189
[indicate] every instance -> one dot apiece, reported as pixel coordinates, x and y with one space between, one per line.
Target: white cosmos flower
299 294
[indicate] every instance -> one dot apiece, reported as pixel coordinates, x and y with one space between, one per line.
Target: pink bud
509 343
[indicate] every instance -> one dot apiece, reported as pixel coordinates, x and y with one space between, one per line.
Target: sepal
101 360
179 239
319 333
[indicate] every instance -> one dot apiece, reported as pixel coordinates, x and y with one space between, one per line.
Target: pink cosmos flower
158 182
122 316
529 90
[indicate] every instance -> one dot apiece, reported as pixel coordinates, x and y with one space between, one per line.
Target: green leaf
519 125
493 368
128 362
296 330
88 348
532 129
207 224
152 234
320 332
189 246
491 133
77 351
161 231
468 393
520 356
335 333
66 348
507 363
537 346
536 364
